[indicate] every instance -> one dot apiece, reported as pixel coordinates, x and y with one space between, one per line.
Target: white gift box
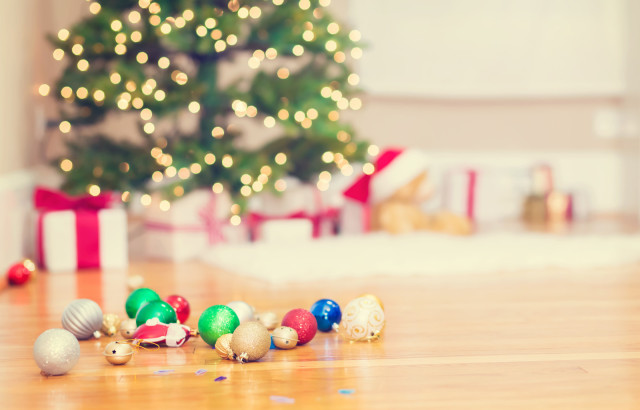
71 240
190 226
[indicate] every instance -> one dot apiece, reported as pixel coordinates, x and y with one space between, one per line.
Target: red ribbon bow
46 199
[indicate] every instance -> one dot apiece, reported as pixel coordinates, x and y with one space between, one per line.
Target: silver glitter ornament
83 318
56 351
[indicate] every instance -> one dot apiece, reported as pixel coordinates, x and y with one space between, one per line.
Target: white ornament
83 318
56 351
244 310
362 320
268 319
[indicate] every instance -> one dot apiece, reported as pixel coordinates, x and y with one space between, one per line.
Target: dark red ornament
18 274
303 322
180 305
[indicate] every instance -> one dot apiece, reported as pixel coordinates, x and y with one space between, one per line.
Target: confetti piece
200 372
346 391
282 399
164 371
219 379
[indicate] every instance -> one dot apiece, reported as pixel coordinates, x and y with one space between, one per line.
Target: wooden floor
539 340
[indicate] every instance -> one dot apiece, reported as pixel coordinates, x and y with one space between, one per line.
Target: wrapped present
79 232
190 226
300 213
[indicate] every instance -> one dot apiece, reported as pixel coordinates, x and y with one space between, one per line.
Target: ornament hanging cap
394 168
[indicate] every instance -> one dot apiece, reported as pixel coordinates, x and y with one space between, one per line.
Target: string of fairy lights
141 96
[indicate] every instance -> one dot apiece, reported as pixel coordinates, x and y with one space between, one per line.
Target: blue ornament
327 314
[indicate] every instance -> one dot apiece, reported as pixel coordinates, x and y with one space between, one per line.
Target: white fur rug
421 254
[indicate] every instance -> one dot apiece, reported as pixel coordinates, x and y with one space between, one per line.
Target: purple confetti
164 371
282 399
346 391
219 379
201 372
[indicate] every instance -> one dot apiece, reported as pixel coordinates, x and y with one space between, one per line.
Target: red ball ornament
18 274
303 322
180 305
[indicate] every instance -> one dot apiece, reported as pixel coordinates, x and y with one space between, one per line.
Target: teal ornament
137 299
216 321
156 309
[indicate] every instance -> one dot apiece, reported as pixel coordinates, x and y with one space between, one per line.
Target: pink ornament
172 334
18 274
180 305
303 322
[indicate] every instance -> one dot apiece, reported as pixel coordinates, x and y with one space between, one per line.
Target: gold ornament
362 320
223 347
268 319
373 297
128 328
250 342
118 353
285 337
110 323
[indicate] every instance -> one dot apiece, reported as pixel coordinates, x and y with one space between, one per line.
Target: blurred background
509 100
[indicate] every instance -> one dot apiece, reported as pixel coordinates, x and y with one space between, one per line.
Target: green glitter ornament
216 321
158 308
137 298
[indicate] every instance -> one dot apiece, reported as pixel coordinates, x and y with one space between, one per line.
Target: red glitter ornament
180 305
18 274
303 322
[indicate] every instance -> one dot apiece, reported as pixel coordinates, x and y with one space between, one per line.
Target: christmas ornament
303 322
327 314
137 299
223 347
373 297
110 323
156 309
250 342
56 351
19 273
363 320
244 310
285 337
215 321
154 331
135 282
128 328
180 305
118 352
83 318
268 319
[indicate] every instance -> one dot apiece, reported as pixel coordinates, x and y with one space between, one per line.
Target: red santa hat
394 168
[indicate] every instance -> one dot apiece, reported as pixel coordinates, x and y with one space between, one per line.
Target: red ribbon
87 223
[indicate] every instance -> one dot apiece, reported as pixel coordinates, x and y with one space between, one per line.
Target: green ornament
156 309
137 299
216 321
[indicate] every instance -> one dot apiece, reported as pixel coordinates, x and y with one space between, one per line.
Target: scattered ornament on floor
250 342
181 306
156 332
363 320
268 319
110 324
157 309
56 351
219 379
128 328
118 353
327 313
285 337
164 372
346 391
244 310
282 399
200 372
303 322
223 347
83 318
20 273
373 297
135 282
137 299
216 321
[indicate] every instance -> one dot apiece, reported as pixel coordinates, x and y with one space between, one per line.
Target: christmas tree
189 73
